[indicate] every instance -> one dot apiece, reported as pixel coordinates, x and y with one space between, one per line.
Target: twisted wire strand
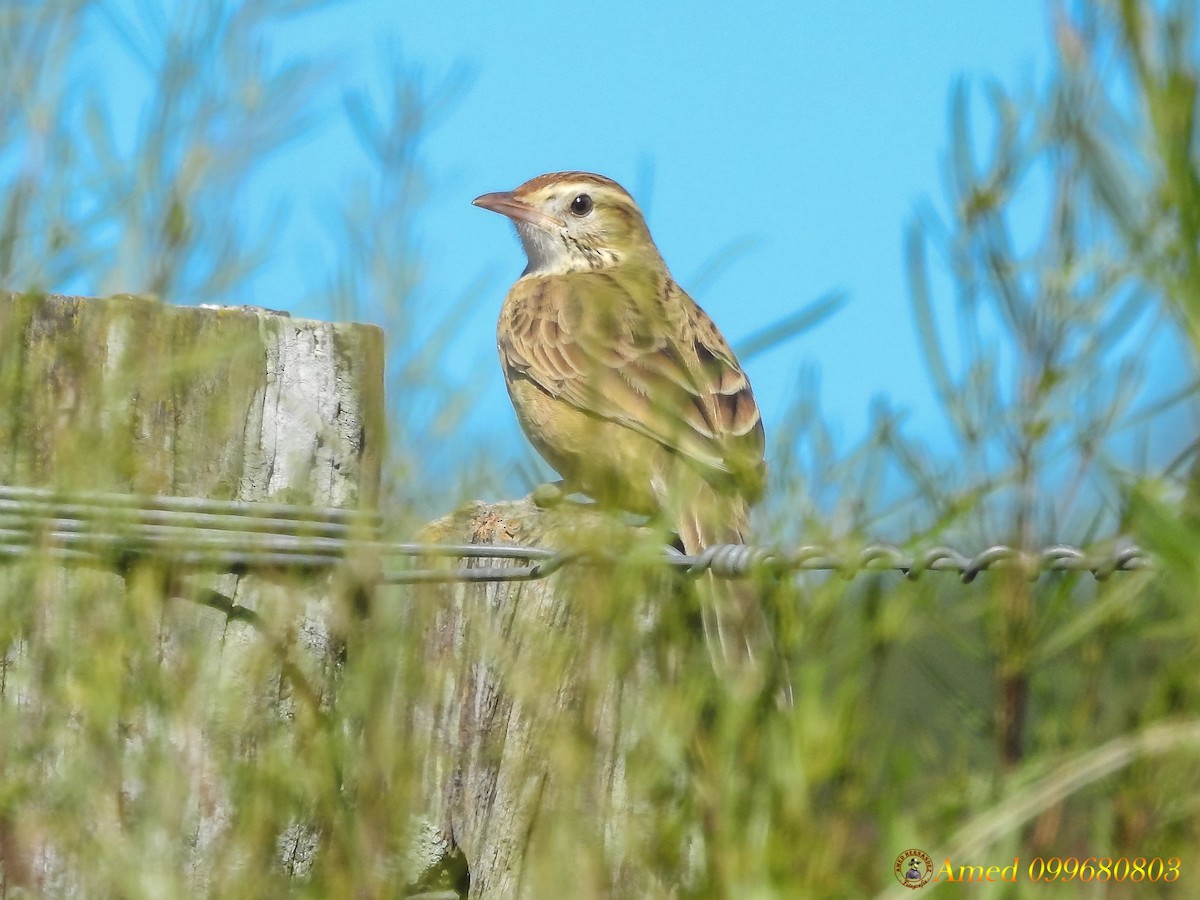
114 530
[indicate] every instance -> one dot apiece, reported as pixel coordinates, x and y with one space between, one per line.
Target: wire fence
119 530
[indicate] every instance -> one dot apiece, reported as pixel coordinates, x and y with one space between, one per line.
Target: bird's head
575 222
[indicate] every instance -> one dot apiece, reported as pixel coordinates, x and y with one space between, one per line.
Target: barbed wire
118 530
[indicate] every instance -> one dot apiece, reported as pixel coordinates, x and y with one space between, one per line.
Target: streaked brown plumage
624 384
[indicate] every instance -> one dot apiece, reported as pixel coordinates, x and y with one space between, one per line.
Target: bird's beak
506 204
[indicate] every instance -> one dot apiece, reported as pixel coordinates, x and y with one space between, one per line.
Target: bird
627 388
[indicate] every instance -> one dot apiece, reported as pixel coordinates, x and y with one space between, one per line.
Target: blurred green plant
378 275
149 213
1069 391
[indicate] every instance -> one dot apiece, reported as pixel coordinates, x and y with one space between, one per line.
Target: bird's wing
658 366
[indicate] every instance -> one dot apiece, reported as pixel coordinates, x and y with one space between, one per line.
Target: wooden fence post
541 699
131 395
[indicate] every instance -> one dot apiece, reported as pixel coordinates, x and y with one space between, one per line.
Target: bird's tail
739 633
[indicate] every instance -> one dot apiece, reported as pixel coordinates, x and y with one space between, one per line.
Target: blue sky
806 132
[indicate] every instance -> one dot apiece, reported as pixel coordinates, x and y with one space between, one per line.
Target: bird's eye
582 205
